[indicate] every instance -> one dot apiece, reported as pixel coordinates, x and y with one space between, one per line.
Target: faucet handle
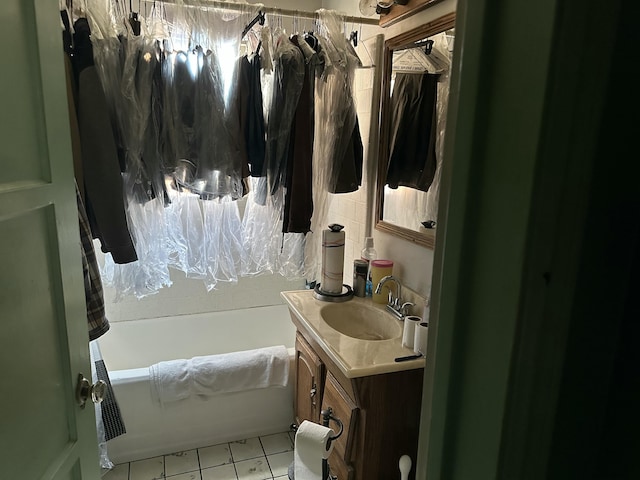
405 306
390 300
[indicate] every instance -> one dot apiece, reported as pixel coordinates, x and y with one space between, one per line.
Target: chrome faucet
395 304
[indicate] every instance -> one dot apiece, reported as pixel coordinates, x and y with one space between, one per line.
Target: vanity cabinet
380 413
309 382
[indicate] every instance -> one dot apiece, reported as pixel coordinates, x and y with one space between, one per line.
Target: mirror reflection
415 100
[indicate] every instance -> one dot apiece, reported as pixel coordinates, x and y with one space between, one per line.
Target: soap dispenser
368 254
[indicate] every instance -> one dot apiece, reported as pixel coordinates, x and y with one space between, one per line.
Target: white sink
360 321
361 337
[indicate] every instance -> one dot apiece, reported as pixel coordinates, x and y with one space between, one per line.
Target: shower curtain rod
273 10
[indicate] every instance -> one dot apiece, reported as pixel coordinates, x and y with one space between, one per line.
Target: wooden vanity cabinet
380 413
309 382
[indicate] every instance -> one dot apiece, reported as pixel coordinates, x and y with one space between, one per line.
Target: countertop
354 357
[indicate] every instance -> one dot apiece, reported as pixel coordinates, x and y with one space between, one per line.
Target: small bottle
367 254
360 278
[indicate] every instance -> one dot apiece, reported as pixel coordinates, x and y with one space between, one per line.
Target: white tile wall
188 296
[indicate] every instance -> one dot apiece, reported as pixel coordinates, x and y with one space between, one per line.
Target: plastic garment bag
262 229
223 242
344 152
335 123
289 70
185 234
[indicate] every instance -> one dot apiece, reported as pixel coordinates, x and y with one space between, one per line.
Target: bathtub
130 347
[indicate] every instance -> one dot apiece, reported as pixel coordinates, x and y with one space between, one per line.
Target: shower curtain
181 96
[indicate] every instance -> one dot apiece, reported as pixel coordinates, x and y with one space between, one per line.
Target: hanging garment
96 318
237 117
344 152
180 115
154 142
298 203
412 160
349 169
221 159
289 72
100 167
133 116
254 131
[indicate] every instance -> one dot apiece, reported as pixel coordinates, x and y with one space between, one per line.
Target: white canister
408 333
332 259
420 338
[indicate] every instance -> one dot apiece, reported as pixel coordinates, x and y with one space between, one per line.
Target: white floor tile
223 472
149 469
119 472
280 442
246 449
279 463
254 469
215 455
181 462
186 476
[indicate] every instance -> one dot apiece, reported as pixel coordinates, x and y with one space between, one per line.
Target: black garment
289 72
349 174
104 198
180 93
298 201
412 161
254 130
154 142
346 156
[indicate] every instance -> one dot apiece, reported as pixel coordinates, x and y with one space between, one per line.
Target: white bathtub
129 348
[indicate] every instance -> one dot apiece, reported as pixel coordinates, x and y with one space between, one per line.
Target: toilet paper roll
310 449
420 338
408 333
332 261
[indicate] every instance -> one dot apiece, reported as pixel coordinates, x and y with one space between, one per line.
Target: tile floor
260 458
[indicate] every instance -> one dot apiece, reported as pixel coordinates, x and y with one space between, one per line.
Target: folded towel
225 373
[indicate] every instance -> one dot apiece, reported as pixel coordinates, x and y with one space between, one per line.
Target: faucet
395 305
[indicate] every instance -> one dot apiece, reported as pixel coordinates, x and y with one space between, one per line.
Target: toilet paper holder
326 416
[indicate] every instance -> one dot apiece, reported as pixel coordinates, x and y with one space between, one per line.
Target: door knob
84 390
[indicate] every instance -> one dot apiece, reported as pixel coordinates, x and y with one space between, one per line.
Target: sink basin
360 321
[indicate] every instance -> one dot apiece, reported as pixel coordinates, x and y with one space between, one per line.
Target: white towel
225 373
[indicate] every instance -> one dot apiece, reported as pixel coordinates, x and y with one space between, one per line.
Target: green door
43 329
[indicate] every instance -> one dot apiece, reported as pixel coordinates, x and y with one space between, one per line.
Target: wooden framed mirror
406 202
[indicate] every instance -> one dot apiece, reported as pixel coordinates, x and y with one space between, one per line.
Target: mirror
415 91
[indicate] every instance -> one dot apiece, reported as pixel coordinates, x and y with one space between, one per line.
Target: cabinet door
309 375
345 409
